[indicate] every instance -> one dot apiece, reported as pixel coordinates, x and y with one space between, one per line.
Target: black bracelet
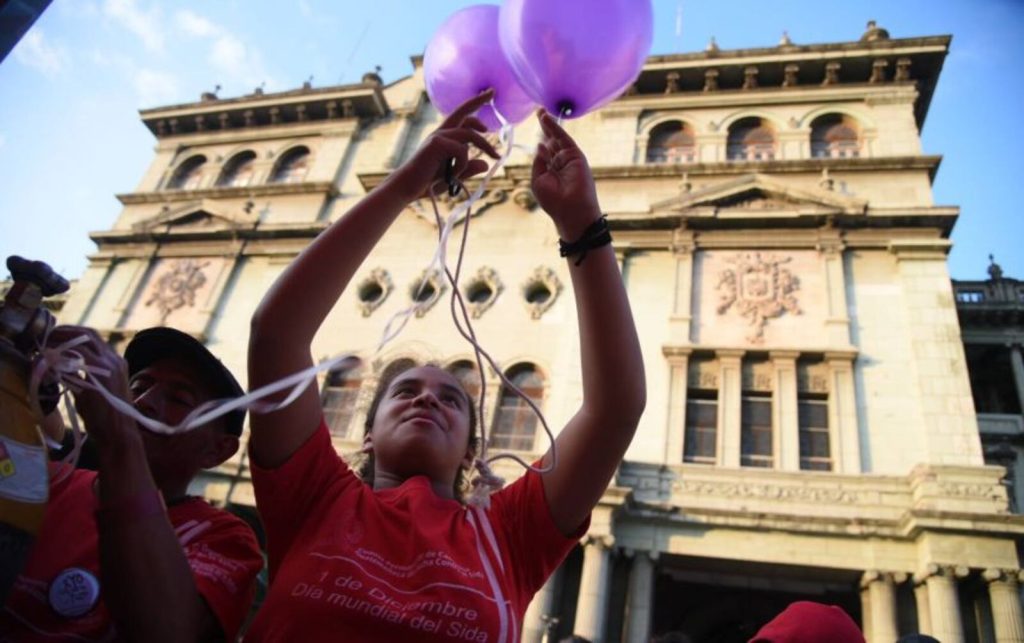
595 236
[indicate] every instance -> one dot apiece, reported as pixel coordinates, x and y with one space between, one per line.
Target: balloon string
487 482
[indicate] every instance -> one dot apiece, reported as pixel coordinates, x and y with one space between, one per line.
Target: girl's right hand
451 140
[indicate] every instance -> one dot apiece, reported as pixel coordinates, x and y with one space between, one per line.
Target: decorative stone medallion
759 288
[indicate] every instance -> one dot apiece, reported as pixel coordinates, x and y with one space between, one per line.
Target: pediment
197 215
755 195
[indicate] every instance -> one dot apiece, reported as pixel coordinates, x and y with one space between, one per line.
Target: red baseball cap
808 622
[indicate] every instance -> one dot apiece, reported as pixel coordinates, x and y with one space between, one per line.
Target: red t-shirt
351 564
58 595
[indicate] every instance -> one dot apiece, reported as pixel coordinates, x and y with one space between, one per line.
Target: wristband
595 236
140 505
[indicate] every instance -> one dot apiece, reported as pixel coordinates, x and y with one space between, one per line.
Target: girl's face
422 427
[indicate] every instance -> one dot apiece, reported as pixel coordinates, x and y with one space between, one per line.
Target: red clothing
351 564
808 622
58 595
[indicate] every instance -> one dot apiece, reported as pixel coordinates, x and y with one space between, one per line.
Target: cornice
304 231
270 189
328 104
930 163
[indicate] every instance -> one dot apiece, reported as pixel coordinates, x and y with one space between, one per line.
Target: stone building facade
810 431
992 326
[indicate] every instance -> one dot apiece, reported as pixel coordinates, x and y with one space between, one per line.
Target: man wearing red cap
807 622
126 553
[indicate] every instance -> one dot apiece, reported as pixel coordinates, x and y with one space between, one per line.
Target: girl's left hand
448 144
562 181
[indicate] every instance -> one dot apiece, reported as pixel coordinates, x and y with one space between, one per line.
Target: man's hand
104 424
450 141
562 181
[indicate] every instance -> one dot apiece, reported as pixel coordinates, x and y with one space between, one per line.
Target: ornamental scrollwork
759 288
373 290
177 287
540 291
426 290
767 492
481 291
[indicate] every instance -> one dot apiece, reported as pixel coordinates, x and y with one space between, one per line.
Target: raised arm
296 305
592 444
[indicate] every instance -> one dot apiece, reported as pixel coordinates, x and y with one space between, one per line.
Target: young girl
400 557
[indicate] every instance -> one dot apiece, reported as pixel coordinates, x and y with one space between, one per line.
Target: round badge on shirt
74 592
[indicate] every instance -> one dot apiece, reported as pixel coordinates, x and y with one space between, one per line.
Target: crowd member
809 622
398 556
125 553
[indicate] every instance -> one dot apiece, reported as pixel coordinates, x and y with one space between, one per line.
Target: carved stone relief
176 286
481 291
373 290
426 290
759 288
446 205
541 290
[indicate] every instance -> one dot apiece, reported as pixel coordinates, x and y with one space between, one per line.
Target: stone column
683 248
947 625
729 392
678 361
881 596
1018 372
592 602
786 416
639 598
838 320
1004 593
844 433
542 605
924 610
865 611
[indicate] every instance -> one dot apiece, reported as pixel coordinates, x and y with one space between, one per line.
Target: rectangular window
756 431
812 384
700 434
700 442
815 449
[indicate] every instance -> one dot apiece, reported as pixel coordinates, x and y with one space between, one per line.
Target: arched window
341 390
671 143
515 422
189 174
751 139
239 170
292 167
835 136
465 372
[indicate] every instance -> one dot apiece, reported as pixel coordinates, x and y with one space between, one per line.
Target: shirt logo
74 592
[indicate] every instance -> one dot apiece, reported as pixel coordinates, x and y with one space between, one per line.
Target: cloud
235 62
305 9
3 141
195 25
37 52
147 25
156 87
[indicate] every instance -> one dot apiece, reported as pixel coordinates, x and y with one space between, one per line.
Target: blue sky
70 137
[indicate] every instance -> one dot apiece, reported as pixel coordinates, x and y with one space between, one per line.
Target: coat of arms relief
177 286
760 288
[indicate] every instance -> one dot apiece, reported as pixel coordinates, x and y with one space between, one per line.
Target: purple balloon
573 56
464 58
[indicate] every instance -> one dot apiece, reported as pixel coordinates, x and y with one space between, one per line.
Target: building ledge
249 191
